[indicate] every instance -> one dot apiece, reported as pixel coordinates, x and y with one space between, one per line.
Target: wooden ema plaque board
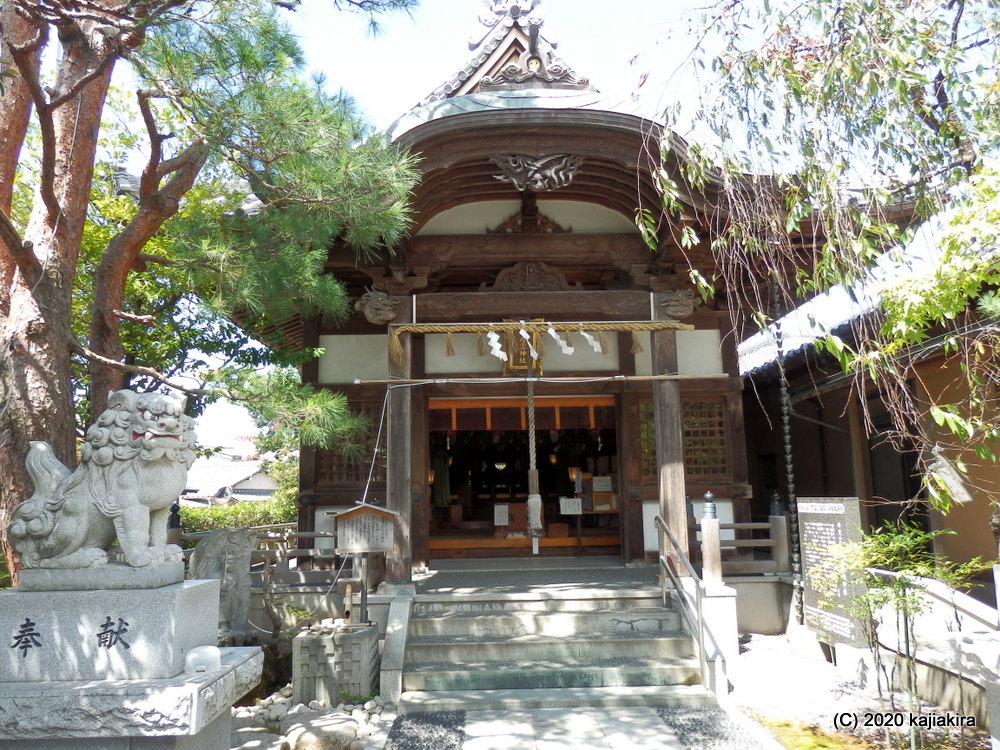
826 593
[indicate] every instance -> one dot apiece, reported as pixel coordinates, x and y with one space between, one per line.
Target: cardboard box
558 530
605 501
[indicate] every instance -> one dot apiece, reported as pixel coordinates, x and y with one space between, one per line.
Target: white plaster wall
699 352
348 357
467 359
584 358
650 509
476 218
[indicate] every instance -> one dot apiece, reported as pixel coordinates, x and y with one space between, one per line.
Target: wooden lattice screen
333 468
705 450
705 454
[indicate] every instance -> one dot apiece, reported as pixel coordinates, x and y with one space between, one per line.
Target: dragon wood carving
133 466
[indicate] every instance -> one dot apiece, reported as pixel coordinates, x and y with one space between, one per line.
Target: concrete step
460 649
551 673
556 600
645 620
609 697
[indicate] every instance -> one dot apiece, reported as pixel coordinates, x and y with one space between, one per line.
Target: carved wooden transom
529 220
530 276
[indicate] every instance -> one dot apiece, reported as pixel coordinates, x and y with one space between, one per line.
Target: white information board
570 506
363 532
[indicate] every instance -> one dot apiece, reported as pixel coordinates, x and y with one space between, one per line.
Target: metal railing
960 603
690 595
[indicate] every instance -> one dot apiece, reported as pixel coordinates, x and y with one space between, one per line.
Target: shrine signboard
570 506
365 528
827 592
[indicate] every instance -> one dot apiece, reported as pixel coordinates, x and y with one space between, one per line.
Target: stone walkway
640 728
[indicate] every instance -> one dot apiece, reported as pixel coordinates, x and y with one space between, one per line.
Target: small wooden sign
570 506
365 528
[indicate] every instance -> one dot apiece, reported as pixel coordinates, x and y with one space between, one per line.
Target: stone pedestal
117 634
104 670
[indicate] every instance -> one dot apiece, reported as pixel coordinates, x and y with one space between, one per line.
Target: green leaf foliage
830 131
241 515
293 175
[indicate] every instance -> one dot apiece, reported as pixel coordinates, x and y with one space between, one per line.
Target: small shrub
239 515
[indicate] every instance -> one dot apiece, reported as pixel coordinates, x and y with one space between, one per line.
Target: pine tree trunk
38 277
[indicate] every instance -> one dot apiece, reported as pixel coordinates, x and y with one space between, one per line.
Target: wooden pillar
860 458
399 563
669 430
307 454
420 488
630 476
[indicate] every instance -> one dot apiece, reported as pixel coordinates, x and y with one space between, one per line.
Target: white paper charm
493 339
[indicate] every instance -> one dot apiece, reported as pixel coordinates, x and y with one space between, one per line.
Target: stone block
187 712
110 576
326 663
134 634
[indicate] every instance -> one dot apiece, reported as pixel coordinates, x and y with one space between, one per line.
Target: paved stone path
640 728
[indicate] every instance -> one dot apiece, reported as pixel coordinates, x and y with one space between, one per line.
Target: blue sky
389 73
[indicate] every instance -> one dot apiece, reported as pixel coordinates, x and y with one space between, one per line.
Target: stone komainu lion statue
133 466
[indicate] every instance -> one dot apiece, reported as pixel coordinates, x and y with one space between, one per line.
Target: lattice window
705 452
334 468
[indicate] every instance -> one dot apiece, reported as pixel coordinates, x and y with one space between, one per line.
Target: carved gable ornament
538 65
530 276
549 172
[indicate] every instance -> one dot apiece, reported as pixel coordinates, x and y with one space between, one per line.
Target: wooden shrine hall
524 339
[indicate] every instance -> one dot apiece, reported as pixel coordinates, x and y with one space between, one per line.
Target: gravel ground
706 728
428 731
786 678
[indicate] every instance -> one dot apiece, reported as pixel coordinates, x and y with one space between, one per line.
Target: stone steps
569 600
584 645
648 620
607 697
552 673
474 648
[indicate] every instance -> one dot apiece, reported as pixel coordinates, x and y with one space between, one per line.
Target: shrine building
524 338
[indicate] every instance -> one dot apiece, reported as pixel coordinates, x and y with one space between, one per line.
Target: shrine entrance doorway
479 451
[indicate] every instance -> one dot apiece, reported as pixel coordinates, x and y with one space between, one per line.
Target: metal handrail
927 585
690 611
677 548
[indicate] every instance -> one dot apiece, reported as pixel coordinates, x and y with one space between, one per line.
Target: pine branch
22 56
78 348
150 174
81 83
146 320
19 250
